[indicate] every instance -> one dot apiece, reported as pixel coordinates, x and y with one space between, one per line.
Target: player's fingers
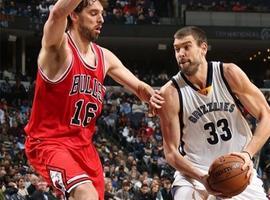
246 165
157 96
157 92
156 103
210 190
244 157
217 194
250 176
236 154
250 171
152 111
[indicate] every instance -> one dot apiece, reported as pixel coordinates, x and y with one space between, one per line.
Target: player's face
188 54
90 21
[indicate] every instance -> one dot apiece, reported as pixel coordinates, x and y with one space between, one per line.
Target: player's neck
199 79
82 44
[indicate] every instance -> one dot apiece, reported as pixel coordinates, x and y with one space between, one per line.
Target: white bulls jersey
211 123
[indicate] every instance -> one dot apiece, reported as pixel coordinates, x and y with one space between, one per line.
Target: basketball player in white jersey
201 119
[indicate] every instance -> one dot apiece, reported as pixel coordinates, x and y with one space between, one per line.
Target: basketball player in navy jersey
201 119
69 96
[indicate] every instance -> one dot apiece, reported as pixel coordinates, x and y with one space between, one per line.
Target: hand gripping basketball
227 176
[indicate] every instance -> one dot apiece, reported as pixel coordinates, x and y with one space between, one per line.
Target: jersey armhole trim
61 78
103 62
181 120
236 100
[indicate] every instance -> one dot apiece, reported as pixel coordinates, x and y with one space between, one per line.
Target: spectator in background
11 192
140 14
34 179
22 191
129 19
138 112
143 193
1 187
5 89
43 10
152 18
18 93
125 192
42 192
12 10
166 188
109 191
155 191
118 17
130 7
238 7
3 111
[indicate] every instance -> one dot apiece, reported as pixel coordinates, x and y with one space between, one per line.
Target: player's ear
73 16
204 47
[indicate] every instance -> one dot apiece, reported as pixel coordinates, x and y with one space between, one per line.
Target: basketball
226 175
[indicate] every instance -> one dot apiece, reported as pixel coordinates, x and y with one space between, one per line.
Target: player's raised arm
55 26
254 101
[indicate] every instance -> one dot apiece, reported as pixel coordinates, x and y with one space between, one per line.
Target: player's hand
155 102
248 163
210 190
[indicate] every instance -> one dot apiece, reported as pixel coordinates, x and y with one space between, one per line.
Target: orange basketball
226 175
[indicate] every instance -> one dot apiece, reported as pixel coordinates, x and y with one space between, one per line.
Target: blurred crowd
117 12
134 11
228 6
128 140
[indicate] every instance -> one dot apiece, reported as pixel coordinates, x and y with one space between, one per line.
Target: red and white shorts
64 167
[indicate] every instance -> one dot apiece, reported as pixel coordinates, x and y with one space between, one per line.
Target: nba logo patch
57 180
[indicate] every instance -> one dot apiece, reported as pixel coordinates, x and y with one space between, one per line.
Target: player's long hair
197 33
84 4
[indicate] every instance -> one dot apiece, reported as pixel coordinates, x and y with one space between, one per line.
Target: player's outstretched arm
122 75
254 101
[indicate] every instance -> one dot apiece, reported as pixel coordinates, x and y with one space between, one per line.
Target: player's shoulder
230 66
108 54
105 50
168 90
171 96
234 76
231 69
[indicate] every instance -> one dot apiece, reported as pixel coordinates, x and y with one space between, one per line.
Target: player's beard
87 33
189 68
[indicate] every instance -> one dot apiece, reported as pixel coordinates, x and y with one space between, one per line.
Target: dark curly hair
84 4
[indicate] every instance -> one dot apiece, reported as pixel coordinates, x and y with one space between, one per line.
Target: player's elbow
57 13
170 157
264 114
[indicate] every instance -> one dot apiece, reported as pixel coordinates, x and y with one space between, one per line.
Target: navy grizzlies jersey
210 120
